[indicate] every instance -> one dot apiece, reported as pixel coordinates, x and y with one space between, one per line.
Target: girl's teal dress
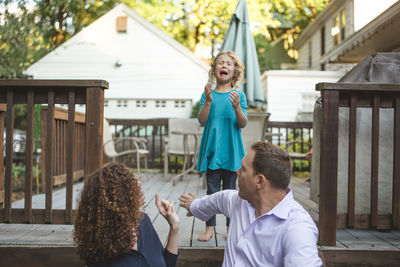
221 144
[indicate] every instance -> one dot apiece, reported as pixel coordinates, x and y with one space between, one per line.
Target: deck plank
362 239
187 223
154 182
389 237
159 223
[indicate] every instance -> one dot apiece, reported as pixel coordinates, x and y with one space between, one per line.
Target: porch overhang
380 35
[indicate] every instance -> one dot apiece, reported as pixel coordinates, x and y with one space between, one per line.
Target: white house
291 94
333 27
344 33
150 74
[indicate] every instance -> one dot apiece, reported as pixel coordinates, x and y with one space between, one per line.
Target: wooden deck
350 243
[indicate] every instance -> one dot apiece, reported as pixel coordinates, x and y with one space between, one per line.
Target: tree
28 34
201 24
20 42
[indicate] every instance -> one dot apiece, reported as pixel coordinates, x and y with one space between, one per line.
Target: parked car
18 146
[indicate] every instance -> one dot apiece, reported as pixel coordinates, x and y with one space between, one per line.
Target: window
119 103
182 104
106 103
335 30
141 103
163 104
177 104
122 24
322 40
338 30
342 25
157 103
309 55
125 103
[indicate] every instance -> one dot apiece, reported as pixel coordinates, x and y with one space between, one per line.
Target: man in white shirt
268 227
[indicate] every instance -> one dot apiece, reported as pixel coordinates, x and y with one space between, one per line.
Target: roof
380 35
143 63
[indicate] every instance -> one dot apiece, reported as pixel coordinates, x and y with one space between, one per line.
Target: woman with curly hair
110 228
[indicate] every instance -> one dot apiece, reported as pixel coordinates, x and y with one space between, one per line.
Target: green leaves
38 26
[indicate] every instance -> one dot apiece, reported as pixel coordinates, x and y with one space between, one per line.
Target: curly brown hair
107 221
238 75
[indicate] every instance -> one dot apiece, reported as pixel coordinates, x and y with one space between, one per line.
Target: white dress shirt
284 236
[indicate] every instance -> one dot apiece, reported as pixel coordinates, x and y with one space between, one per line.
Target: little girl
223 111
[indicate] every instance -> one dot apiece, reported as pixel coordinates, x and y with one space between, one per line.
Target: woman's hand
207 92
167 210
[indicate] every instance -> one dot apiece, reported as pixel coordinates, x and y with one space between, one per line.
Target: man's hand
186 201
309 154
207 92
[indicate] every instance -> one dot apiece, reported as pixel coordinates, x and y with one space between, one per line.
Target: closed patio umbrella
239 39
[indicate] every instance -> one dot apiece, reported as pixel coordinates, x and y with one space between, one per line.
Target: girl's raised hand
207 91
167 210
235 99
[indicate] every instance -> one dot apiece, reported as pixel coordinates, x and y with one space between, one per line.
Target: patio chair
174 142
110 144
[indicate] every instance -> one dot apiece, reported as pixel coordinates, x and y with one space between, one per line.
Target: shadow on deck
51 245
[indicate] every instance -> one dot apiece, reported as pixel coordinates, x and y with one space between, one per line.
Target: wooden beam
9 155
374 161
354 257
50 136
94 129
396 167
328 170
29 156
352 162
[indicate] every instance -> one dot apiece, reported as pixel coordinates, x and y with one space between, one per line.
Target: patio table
187 153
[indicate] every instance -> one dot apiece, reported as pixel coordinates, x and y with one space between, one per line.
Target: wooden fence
61 142
354 96
50 92
295 137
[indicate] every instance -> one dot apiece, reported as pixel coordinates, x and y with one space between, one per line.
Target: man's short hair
273 162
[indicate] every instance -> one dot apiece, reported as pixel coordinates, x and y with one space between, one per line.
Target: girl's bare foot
208 233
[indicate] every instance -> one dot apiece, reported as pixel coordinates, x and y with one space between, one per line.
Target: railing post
328 171
396 167
2 113
94 129
9 155
49 156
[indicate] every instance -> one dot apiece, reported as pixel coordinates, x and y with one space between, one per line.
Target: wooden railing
60 145
355 96
297 135
50 92
154 130
280 132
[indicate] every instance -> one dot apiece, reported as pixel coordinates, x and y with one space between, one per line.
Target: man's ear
261 181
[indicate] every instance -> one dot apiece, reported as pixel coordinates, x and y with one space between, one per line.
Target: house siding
142 63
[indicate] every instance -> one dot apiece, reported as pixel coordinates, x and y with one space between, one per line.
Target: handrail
354 96
51 92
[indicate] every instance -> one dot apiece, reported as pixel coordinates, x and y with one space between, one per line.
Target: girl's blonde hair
238 75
